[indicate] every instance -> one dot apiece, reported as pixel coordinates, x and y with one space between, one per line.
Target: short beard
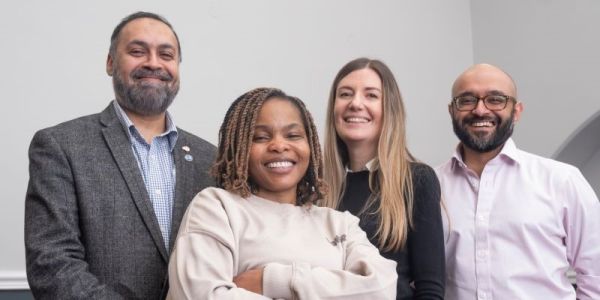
143 98
482 144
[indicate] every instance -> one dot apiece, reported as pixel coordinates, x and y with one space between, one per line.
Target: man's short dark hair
114 38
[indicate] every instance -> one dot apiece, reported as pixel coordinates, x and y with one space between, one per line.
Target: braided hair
230 169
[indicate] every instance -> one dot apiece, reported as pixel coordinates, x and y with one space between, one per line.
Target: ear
518 111
109 65
450 110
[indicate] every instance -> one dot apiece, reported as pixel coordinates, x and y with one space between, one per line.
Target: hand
250 280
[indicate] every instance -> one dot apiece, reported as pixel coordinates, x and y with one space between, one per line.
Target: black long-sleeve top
421 261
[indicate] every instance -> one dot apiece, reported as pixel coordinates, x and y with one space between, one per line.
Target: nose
356 103
279 145
153 61
480 108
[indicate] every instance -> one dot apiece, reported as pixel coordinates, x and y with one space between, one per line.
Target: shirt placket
485 196
159 197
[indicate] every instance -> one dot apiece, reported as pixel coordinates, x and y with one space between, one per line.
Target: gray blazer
90 229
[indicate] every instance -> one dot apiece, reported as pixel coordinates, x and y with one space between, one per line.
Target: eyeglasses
491 102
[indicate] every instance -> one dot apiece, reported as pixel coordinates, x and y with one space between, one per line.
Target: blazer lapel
184 181
120 146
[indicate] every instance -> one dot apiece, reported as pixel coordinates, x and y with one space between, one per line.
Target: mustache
144 72
473 119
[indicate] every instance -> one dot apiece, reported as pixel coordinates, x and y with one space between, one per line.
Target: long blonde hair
391 179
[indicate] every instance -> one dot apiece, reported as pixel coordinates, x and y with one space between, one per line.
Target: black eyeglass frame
484 99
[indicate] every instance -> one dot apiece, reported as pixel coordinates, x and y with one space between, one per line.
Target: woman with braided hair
258 234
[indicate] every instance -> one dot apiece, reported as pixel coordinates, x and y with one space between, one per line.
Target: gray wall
582 149
552 49
54 69
54 56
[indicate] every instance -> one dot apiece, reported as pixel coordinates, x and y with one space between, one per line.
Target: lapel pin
188 157
186 148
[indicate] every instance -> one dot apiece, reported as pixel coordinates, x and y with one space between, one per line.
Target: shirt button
482 296
158 192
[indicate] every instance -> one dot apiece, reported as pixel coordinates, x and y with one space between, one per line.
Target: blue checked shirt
157 166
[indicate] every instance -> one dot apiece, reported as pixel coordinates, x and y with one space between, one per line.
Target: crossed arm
203 265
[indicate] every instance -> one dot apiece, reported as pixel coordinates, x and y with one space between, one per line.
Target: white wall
54 56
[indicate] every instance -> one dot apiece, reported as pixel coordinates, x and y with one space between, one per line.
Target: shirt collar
368 167
129 127
509 152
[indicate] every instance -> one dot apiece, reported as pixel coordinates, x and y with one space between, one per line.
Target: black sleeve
426 239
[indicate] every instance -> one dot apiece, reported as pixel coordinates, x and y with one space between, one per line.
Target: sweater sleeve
202 264
366 274
426 239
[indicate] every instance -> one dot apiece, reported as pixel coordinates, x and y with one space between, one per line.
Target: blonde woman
371 173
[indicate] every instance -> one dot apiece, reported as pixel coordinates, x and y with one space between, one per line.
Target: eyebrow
368 88
146 45
286 127
492 92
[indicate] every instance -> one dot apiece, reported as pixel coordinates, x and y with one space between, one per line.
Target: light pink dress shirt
514 232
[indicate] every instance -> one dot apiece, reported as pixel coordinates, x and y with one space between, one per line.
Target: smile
483 124
357 120
151 78
279 164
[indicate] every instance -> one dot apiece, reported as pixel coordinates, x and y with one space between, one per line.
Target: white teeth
482 124
357 120
280 164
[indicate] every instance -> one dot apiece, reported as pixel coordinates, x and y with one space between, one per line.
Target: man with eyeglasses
516 222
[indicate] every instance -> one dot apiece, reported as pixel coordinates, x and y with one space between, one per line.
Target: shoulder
444 168
76 126
544 163
214 196
421 170
546 169
423 176
210 206
70 135
211 214
334 218
426 190
562 180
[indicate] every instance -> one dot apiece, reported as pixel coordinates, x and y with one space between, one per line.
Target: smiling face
280 153
358 108
481 129
145 67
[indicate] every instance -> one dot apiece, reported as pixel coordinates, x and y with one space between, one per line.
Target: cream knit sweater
307 252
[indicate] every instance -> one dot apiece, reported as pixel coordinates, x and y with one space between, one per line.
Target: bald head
486 122
484 78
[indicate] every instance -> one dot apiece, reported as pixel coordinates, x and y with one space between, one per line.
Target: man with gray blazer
107 192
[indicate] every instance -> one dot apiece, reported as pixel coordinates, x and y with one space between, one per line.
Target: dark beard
145 99
480 143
